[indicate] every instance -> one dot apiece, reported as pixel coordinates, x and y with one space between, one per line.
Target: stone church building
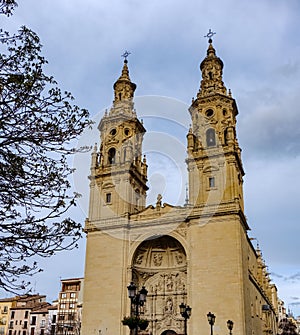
198 254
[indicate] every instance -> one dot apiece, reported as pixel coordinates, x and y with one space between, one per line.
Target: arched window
210 137
112 156
226 136
137 197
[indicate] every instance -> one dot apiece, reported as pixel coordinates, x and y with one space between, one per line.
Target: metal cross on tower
125 55
209 35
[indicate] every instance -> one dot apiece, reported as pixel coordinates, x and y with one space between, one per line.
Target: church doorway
169 332
160 265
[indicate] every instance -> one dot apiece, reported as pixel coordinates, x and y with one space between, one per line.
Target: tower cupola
123 92
212 71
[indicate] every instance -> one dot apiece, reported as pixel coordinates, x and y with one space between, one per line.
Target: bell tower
118 177
118 171
214 157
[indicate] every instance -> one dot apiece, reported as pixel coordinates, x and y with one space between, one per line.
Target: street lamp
185 312
230 326
211 320
137 299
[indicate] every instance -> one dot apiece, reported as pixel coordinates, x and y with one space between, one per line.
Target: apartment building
20 318
5 305
69 307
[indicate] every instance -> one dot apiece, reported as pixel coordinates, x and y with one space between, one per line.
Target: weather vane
209 35
125 55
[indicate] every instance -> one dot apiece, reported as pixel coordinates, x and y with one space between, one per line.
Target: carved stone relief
160 266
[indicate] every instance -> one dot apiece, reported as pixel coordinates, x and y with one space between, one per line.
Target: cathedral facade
198 254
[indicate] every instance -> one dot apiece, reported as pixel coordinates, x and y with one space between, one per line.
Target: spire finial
125 55
209 35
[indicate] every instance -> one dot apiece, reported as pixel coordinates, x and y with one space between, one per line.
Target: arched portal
169 332
160 265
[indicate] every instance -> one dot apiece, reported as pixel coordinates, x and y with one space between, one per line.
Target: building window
26 314
11 324
71 316
62 306
72 306
31 331
61 317
73 295
12 315
43 323
211 182
210 137
53 318
209 113
137 197
33 320
108 198
112 156
5 309
25 325
63 295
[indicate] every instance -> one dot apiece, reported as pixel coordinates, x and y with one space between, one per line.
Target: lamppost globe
182 308
131 290
211 320
185 312
230 326
188 311
143 294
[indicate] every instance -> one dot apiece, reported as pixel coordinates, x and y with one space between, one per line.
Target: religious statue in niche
169 306
179 258
169 283
157 259
139 258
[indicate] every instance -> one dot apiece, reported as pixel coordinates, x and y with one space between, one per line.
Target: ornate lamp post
230 326
211 320
137 298
185 312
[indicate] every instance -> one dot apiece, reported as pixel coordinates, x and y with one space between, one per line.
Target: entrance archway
160 265
169 332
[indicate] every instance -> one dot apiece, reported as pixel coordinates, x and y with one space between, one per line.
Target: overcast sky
259 44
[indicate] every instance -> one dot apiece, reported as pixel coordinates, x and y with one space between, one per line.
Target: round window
209 113
126 131
113 131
